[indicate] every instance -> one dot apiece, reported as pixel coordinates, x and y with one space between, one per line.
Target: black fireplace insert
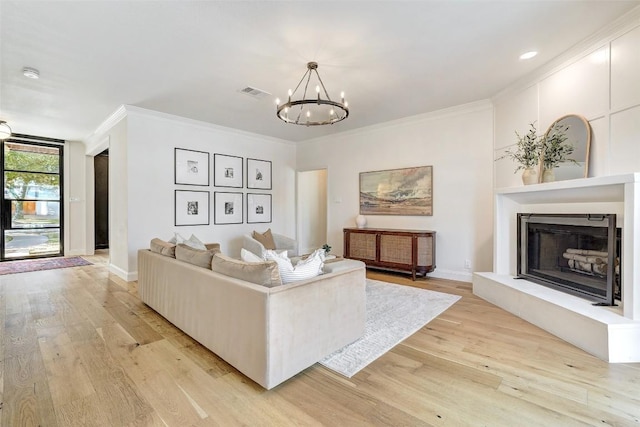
579 254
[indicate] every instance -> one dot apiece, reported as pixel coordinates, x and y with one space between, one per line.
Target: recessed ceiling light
528 55
31 73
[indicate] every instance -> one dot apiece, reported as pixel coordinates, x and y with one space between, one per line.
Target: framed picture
192 207
406 191
227 208
259 174
258 208
191 167
227 171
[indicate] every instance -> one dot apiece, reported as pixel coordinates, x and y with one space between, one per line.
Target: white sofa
268 334
282 243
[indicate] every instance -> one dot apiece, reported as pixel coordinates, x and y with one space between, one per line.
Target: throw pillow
176 239
263 273
249 256
195 243
161 247
305 269
265 238
195 256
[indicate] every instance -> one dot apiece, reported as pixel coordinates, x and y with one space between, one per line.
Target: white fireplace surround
610 333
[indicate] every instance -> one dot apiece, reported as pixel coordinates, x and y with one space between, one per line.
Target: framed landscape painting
192 207
406 191
191 167
258 208
259 174
227 171
227 208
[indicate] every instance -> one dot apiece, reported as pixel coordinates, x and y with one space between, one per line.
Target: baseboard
124 275
461 276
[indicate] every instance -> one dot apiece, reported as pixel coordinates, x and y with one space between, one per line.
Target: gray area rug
394 312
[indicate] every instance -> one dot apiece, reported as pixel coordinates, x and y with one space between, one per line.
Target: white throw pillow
305 269
195 243
176 239
248 256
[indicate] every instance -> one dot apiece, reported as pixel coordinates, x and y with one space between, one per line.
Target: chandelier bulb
277 101
331 112
290 92
342 95
346 104
317 89
308 113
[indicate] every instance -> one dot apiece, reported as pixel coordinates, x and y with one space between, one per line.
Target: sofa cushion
263 273
266 239
192 241
304 269
159 246
195 256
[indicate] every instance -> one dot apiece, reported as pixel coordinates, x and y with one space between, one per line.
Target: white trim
129 277
460 276
457 110
132 110
107 124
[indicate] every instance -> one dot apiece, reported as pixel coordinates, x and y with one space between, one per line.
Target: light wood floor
79 348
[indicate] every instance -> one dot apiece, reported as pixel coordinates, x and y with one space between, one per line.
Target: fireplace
575 253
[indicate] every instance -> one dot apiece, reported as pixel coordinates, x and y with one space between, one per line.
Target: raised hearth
610 333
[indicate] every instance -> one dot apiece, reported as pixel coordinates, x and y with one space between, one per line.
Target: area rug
23 266
394 312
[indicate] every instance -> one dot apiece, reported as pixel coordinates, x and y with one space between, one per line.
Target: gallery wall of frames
231 176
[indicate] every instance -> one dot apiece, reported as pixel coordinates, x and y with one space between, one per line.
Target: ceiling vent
255 93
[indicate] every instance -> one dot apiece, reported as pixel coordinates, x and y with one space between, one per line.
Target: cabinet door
362 246
396 249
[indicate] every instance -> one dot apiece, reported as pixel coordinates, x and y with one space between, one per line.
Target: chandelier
312 111
5 130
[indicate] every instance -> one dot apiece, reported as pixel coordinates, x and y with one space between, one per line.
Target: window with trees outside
31 203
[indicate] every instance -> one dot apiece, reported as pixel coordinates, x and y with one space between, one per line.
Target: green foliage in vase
555 149
326 248
526 153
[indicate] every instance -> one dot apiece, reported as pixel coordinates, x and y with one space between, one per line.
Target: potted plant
526 154
555 150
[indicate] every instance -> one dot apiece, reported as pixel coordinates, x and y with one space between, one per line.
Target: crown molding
104 127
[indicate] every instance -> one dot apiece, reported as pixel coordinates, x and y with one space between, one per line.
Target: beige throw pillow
265 238
263 273
161 247
195 256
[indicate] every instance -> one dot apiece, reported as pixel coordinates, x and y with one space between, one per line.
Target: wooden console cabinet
413 251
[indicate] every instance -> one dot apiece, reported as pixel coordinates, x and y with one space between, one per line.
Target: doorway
31 209
312 210
101 199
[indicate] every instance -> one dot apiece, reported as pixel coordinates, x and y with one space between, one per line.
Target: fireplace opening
578 254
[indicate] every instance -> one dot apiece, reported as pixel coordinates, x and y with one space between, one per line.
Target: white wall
141 181
457 142
601 83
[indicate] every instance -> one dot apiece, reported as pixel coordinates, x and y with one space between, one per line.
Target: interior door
32 209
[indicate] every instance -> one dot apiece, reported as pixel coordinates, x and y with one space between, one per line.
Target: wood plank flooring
80 349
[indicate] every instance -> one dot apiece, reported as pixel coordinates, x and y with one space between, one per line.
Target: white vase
548 175
530 176
361 221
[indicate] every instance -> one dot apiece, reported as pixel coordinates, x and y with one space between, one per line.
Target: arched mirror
578 134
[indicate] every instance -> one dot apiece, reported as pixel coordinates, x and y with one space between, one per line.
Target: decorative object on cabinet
526 154
259 174
227 171
361 221
407 191
191 207
565 149
191 167
227 208
258 208
400 250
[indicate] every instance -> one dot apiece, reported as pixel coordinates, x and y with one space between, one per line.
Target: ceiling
192 58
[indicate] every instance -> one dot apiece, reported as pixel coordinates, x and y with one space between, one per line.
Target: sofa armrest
252 245
286 243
